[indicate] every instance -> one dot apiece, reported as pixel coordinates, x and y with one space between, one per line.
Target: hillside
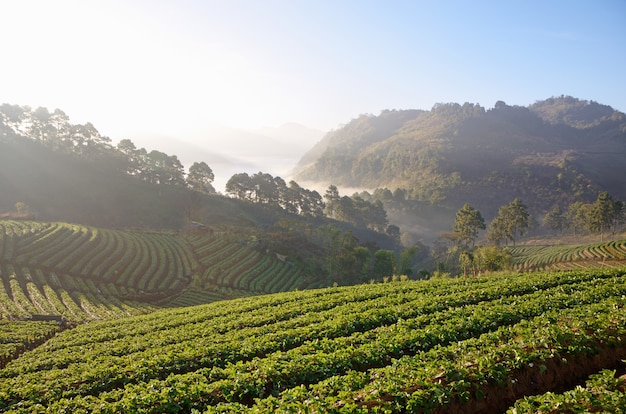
448 345
553 152
84 273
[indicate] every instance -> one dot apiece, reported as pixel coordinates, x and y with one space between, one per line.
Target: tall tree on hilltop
240 186
200 177
332 200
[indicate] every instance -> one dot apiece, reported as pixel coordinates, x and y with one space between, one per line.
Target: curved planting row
247 268
196 297
241 265
444 346
25 292
569 256
145 262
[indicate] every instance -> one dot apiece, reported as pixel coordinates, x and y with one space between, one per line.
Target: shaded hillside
59 186
553 152
85 273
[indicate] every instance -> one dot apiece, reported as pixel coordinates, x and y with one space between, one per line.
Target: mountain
550 153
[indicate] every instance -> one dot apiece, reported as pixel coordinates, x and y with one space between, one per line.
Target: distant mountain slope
552 152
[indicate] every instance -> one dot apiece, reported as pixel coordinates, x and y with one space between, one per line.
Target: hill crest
552 152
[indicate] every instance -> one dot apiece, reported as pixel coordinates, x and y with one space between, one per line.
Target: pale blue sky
171 67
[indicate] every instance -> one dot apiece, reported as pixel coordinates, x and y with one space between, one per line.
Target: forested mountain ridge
553 152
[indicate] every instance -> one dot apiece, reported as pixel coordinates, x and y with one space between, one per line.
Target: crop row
539 257
313 362
25 292
242 267
603 392
19 336
282 349
457 372
142 261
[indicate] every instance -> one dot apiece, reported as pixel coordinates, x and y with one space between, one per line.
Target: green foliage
264 189
492 258
555 220
603 392
384 263
605 212
353 349
200 177
356 210
570 256
603 215
512 220
468 223
17 337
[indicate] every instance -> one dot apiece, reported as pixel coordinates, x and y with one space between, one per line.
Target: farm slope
84 273
444 345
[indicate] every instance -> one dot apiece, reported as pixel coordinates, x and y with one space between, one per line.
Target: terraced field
84 273
243 265
445 345
568 257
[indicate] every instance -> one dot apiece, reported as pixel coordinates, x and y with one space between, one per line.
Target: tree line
604 215
513 220
55 131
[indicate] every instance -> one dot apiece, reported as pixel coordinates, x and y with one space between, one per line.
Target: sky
174 67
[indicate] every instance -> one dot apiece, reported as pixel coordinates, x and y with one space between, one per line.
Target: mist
228 151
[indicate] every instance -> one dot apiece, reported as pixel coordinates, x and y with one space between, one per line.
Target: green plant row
540 257
314 362
458 372
144 261
18 336
269 346
603 392
25 292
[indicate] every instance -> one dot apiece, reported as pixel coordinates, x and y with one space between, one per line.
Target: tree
406 257
620 215
200 177
240 186
332 200
577 217
512 219
604 212
495 232
466 260
384 261
468 223
555 220
491 258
